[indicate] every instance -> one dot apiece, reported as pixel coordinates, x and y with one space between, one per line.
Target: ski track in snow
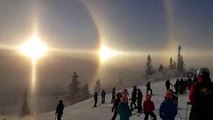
85 111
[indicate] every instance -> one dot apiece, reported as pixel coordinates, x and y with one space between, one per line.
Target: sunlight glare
106 53
34 48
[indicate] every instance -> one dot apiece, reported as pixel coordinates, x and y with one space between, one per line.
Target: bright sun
34 48
106 53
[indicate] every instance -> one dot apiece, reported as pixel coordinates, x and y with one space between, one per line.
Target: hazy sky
126 25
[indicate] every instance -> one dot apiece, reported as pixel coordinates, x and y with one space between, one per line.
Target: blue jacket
124 111
168 110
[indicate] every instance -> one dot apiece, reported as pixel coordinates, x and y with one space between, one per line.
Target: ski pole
180 115
188 103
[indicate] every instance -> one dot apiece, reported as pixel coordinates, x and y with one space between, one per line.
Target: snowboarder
95 99
139 102
103 94
115 105
113 94
59 110
133 99
168 109
148 108
148 88
124 110
201 96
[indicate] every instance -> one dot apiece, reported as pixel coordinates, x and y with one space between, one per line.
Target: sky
133 26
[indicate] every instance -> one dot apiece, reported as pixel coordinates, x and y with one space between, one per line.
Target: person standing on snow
167 84
168 109
59 110
201 96
124 110
148 108
115 105
103 94
133 99
139 102
148 88
95 99
113 94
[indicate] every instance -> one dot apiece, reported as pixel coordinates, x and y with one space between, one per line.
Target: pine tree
74 86
171 66
174 64
161 68
149 69
85 92
180 62
25 108
98 86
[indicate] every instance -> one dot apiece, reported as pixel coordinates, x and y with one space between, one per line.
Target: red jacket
148 106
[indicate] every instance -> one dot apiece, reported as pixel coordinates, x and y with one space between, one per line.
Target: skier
133 100
148 88
201 96
96 99
168 109
148 108
59 110
103 94
124 110
115 105
167 84
113 94
139 102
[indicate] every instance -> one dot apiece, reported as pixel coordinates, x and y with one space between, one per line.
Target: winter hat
148 96
119 94
124 99
169 94
124 92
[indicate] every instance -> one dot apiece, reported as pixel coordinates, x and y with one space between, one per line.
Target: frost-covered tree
171 66
98 86
161 68
74 88
149 69
180 62
25 110
85 92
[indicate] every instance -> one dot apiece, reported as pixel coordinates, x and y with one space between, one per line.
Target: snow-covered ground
85 111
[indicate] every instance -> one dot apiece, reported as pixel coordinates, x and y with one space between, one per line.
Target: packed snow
85 111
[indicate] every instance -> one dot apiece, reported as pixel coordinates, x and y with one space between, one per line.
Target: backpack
204 99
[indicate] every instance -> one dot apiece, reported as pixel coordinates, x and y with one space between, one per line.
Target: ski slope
85 111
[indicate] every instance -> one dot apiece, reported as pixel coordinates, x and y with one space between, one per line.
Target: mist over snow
84 110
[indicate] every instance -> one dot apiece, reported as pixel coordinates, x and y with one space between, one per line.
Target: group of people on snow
201 97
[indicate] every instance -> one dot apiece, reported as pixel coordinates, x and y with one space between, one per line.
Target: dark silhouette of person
181 90
113 94
103 94
96 99
115 105
133 100
167 83
177 86
59 110
139 102
201 96
148 88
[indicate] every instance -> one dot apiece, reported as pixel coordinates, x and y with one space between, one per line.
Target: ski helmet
203 71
